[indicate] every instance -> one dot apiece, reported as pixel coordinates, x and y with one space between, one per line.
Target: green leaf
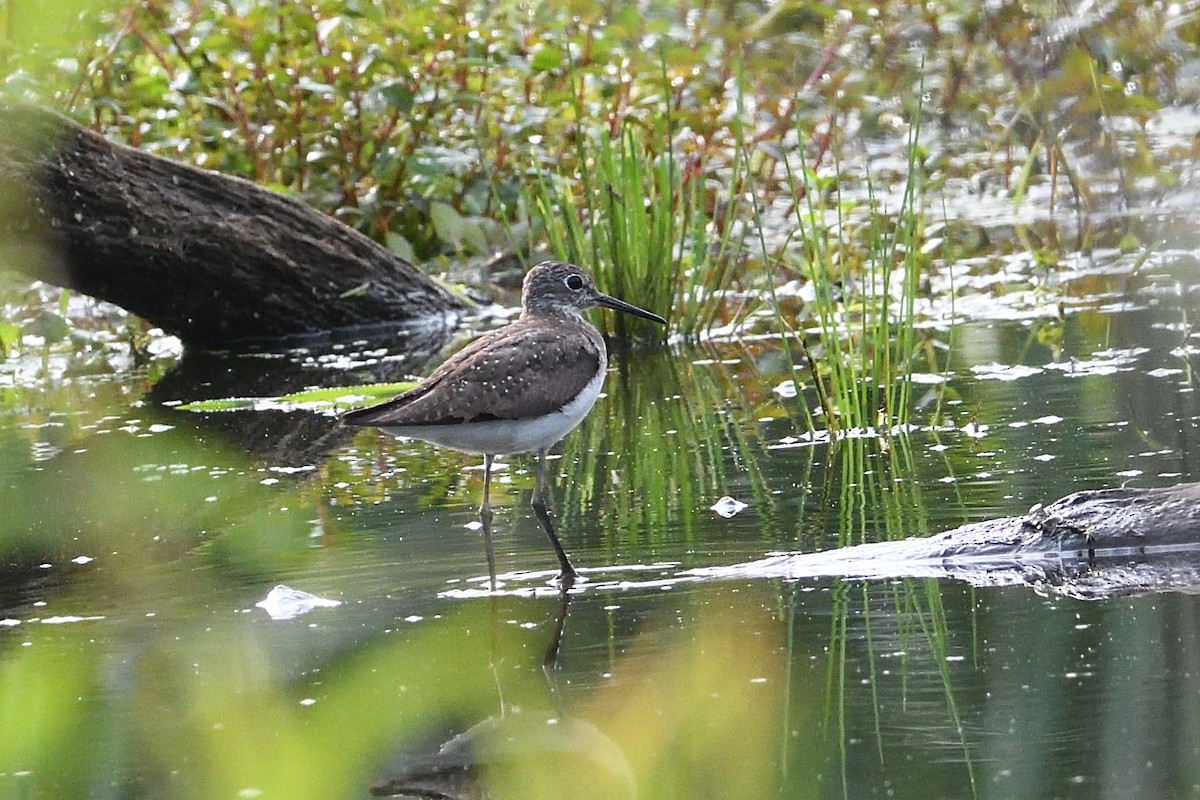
397 94
448 224
223 404
474 235
338 398
350 395
400 247
1049 335
10 337
545 58
1129 243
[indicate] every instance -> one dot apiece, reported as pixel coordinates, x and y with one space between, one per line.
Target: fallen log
1089 545
213 259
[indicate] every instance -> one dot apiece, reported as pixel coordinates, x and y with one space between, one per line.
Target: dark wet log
1088 544
290 438
213 259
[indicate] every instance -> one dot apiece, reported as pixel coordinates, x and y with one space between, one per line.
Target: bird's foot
567 578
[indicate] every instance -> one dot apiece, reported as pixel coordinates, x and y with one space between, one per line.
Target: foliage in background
696 157
423 124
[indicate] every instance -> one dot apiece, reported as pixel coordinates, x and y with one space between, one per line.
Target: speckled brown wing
525 369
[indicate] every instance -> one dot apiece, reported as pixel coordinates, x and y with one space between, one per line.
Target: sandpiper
516 389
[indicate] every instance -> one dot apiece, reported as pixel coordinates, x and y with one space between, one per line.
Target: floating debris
975 430
727 506
1004 372
284 602
786 390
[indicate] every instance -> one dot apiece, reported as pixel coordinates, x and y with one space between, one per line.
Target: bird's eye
573 282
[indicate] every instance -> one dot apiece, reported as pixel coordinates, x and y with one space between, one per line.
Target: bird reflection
463 766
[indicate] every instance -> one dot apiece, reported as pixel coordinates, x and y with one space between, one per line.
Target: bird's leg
568 574
485 518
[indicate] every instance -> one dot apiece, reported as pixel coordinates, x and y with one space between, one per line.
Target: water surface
138 538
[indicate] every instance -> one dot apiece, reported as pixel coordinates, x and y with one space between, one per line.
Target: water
138 538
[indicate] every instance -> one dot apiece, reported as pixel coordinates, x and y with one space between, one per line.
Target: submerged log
213 259
287 439
1089 545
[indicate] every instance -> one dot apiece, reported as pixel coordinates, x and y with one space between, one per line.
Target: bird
516 389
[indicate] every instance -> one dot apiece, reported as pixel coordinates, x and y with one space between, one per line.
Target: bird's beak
621 305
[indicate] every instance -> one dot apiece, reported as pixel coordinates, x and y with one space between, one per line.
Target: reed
876 499
640 217
657 432
865 271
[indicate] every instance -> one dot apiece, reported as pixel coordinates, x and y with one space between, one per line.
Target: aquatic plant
666 444
424 124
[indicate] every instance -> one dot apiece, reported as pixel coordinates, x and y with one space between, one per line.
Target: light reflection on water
908 688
